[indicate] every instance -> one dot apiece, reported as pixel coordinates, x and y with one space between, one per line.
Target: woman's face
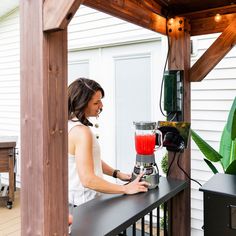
94 105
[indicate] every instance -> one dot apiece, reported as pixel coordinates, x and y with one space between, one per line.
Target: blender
147 140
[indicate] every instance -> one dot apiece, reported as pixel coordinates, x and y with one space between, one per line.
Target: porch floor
10 219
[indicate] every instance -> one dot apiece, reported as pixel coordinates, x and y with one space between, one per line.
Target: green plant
164 163
227 152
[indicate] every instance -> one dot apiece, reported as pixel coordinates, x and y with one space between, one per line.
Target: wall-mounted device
173 92
175 135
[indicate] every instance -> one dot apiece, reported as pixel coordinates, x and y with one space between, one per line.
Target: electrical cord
162 81
168 171
185 171
178 164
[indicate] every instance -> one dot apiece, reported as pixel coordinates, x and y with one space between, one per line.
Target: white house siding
89 29
93 29
10 78
210 105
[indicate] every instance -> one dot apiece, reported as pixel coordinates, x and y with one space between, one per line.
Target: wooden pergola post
44 174
179 59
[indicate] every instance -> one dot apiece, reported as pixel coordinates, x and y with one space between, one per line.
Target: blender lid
145 125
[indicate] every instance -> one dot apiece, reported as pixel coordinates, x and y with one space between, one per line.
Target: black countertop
110 214
221 184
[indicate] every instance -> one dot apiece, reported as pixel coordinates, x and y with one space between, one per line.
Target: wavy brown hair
80 93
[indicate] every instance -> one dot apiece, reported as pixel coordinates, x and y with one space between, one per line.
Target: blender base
146 164
153 180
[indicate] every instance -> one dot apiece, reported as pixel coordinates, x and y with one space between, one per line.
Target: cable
167 173
185 171
162 81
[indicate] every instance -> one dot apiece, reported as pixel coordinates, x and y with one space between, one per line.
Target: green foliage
212 167
164 163
209 152
227 152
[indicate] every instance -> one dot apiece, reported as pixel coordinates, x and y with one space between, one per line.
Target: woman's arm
108 170
84 160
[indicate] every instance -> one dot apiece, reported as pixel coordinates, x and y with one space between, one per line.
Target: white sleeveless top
78 194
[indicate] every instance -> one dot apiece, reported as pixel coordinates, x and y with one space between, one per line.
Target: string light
171 21
218 17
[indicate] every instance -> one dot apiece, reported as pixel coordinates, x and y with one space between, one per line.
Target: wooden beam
210 12
223 44
153 6
58 13
44 161
133 11
179 59
209 25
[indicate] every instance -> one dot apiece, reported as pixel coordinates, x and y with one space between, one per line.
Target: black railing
112 215
152 224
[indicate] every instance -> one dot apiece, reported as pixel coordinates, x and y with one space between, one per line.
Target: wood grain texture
179 59
209 25
58 13
211 12
44 159
132 11
222 45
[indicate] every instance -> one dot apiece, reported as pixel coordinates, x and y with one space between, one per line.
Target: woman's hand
123 176
137 186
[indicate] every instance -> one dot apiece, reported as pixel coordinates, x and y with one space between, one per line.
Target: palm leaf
233 151
209 152
212 167
225 147
231 168
231 121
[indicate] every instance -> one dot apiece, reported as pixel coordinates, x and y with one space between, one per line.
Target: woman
86 169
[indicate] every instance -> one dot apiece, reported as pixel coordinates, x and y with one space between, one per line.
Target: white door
131 77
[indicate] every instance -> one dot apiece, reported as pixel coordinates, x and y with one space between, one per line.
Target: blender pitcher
147 136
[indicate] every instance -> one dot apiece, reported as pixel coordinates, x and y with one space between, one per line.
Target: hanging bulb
171 21
218 17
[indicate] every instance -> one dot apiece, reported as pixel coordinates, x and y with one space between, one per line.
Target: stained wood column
179 59
44 159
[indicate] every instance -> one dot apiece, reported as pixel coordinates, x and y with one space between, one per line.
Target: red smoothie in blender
145 144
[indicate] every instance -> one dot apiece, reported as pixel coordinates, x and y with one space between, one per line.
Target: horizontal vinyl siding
210 104
211 98
91 28
10 80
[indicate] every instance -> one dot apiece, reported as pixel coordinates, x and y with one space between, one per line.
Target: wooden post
44 180
179 59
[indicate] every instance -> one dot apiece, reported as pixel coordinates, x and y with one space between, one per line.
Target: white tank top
78 194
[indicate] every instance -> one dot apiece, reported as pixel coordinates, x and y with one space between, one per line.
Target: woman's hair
80 93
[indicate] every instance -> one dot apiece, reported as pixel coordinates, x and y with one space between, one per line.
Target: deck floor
10 219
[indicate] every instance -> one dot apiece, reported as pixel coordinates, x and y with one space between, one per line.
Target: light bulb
171 21
218 17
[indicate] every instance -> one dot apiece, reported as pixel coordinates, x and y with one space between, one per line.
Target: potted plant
227 151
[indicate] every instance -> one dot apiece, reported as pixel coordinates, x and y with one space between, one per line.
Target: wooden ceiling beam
154 7
223 44
133 11
209 25
211 12
58 13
